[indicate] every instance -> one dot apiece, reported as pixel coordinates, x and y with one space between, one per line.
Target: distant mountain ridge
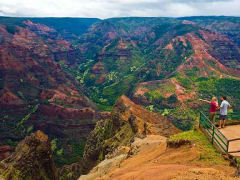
68 27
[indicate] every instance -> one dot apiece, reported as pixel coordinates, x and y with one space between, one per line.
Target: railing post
227 146
213 134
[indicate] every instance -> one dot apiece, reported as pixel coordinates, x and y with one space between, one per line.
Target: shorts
212 116
223 117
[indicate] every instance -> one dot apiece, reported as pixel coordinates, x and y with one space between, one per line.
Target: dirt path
233 132
155 162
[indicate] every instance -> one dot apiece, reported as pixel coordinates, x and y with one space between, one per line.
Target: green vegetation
183 29
206 87
154 96
184 119
210 86
184 81
21 125
120 74
129 24
168 61
11 143
66 155
15 126
114 91
108 135
54 144
104 107
208 152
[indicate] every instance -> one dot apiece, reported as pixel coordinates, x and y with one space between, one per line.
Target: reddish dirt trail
153 172
156 162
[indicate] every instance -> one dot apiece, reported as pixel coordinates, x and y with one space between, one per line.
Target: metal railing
230 116
213 132
215 135
234 140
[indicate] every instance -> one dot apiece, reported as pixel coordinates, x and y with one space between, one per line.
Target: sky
118 8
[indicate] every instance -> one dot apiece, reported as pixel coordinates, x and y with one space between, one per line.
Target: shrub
173 99
154 96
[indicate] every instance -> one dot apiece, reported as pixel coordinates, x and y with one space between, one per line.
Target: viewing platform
226 139
232 133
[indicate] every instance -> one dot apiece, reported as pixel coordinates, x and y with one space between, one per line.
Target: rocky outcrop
116 134
122 153
128 121
31 160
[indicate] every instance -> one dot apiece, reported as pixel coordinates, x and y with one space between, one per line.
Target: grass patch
105 107
154 96
208 153
184 81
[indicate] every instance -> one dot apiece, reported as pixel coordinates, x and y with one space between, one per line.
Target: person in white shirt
223 111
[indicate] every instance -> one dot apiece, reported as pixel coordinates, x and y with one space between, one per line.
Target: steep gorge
36 93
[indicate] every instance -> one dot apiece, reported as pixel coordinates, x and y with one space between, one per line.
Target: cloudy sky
118 8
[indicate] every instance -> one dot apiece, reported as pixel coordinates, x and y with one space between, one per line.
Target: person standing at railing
223 111
213 108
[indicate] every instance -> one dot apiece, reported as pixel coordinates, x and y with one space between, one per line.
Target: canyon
92 88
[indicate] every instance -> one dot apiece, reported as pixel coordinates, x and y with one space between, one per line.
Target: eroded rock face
127 121
206 53
142 121
31 75
31 160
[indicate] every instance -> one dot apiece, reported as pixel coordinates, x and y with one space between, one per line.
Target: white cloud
116 8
